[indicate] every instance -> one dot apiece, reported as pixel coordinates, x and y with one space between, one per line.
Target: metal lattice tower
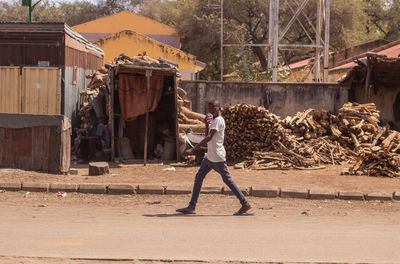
320 44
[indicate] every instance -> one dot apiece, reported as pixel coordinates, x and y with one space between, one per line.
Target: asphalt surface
147 227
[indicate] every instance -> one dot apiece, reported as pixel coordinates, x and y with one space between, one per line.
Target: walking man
216 160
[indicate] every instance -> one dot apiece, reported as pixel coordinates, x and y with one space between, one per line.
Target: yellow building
126 20
130 33
131 43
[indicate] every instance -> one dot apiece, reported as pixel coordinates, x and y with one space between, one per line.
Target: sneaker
186 210
244 209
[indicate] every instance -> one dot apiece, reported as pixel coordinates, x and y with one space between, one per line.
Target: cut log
199 128
98 168
192 115
182 93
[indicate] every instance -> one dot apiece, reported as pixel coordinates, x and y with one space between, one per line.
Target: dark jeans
89 147
222 169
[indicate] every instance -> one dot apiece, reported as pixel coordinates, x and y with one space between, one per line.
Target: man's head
213 108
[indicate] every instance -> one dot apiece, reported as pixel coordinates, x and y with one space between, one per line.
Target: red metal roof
391 50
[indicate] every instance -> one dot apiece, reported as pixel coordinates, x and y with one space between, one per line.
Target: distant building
126 20
130 33
131 43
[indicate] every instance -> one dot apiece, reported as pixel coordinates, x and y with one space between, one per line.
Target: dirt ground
213 211
328 178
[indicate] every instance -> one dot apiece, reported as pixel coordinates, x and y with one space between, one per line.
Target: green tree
383 18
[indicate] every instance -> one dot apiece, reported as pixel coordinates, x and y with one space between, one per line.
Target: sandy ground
154 174
42 228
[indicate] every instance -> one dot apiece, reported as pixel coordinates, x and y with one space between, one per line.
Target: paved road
142 228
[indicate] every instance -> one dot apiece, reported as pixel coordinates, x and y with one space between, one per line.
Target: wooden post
367 79
178 154
148 75
111 114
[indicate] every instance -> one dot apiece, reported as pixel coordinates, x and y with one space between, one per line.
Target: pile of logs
140 59
312 138
379 157
249 128
187 119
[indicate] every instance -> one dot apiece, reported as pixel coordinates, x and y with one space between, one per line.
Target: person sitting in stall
97 139
392 126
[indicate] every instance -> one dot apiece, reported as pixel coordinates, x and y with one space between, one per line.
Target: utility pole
222 40
28 3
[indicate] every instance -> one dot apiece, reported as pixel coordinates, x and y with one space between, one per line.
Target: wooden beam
148 75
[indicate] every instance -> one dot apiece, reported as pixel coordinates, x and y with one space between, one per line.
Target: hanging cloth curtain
132 94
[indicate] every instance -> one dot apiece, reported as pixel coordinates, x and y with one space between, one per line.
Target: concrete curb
178 190
150 189
35 187
121 189
212 190
378 196
265 191
95 188
63 187
294 193
10 186
322 194
357 196
243 189
255 191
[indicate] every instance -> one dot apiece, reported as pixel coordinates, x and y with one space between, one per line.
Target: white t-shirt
216 150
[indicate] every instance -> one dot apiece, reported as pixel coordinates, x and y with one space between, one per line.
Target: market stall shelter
375 79
144 109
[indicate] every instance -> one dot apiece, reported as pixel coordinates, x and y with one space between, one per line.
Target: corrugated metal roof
386 68
60 27
390 50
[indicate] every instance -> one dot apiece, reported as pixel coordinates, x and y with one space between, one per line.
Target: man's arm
207 125
202 143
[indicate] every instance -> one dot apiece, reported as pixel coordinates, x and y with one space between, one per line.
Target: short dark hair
214 103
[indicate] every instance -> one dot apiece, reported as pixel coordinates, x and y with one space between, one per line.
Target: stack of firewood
249 128
312 138
380 156
187 119
95 96
140 59
310 124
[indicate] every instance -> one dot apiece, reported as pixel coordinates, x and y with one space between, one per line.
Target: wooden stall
144 109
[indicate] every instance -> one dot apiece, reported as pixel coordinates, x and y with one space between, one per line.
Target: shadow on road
182 215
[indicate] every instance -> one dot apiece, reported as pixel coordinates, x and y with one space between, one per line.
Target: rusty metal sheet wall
41 90
27 48
10 90
72 98
80 59
35 148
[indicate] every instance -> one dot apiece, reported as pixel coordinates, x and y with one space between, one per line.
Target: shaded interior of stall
130 96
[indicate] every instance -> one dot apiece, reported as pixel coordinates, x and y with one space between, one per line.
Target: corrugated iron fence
30 90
